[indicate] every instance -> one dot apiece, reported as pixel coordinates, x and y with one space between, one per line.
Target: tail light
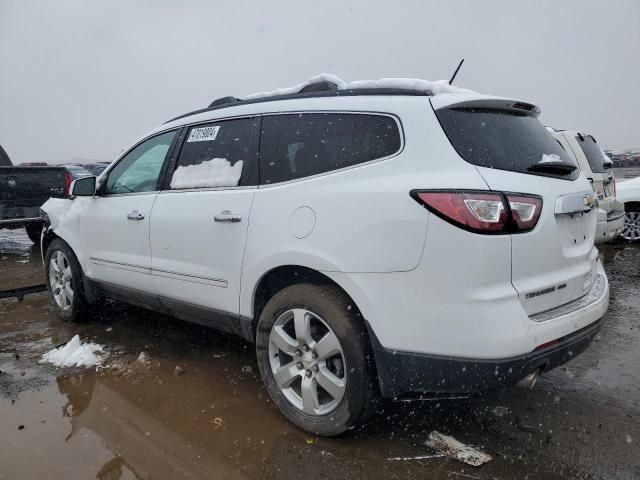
483 212
67 184
613 182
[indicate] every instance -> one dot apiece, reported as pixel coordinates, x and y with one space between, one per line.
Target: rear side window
300 145
593 153
219 154
500 139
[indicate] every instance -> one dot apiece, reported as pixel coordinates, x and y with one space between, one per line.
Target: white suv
371 242
588 155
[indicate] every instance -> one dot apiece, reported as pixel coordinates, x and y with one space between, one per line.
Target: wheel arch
283 276
634 204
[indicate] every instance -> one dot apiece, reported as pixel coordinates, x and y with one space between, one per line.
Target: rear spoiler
458 100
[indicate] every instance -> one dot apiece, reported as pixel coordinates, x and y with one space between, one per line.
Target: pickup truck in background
23 190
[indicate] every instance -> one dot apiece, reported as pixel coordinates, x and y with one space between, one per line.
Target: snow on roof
433 87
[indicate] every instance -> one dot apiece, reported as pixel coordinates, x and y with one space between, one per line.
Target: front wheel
314 357
631 229
63 276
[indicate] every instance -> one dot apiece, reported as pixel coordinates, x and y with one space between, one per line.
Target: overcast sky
82 79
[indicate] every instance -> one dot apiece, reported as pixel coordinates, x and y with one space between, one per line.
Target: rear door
199 222
555 262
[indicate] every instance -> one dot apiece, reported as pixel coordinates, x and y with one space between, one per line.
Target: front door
199 223
115 223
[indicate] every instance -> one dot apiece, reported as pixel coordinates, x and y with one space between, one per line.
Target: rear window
300 145
593 153
502 140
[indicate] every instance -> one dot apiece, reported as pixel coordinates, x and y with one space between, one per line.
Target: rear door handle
135 215
227 216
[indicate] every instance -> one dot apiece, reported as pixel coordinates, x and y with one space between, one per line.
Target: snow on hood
434 87
217 172
74 354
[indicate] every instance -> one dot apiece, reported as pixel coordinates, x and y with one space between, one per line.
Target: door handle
135 215
227 216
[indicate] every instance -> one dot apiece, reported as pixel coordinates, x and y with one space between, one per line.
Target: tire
631 229
33 232
64 280
349 374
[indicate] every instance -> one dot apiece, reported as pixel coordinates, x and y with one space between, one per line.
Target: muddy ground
139 420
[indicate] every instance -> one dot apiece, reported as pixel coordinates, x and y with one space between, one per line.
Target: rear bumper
19 222
610 225
403 372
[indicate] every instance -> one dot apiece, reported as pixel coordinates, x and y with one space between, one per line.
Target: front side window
300 145
220 154
139 170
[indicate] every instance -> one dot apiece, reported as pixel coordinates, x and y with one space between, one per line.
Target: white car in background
372 239
628 194
587 154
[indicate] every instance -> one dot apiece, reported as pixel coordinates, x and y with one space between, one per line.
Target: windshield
503 140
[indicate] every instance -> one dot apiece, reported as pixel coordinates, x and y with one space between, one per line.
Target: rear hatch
600 177
555 262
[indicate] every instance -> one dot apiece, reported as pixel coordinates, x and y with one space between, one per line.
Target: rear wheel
33 232
64 282
631 229
314 357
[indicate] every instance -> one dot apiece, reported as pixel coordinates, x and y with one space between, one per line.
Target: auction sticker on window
204 134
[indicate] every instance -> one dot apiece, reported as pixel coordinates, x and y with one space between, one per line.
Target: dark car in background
24 188
95 168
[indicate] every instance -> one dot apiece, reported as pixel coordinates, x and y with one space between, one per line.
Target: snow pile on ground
74 354
217 172
435 87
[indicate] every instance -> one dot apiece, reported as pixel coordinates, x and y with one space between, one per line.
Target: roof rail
223 101
232 101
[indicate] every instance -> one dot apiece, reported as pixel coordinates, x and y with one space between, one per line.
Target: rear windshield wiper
560 168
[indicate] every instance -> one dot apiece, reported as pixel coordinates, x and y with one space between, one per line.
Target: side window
299 145
139 170
218 154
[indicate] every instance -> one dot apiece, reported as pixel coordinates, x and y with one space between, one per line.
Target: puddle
214 419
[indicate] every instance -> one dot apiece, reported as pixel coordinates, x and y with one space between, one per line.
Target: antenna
453 77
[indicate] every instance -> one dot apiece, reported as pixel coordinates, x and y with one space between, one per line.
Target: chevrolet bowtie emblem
590 200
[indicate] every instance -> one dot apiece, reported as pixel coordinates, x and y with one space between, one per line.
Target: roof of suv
226 102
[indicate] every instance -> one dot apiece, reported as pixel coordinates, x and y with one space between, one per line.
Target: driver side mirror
83 187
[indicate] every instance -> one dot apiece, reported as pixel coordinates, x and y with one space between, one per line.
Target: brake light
483 212
525 211
67 184
613 181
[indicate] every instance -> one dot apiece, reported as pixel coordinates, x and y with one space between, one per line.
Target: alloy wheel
307 362
60 280
631 229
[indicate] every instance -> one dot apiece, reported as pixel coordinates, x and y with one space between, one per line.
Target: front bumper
402 372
